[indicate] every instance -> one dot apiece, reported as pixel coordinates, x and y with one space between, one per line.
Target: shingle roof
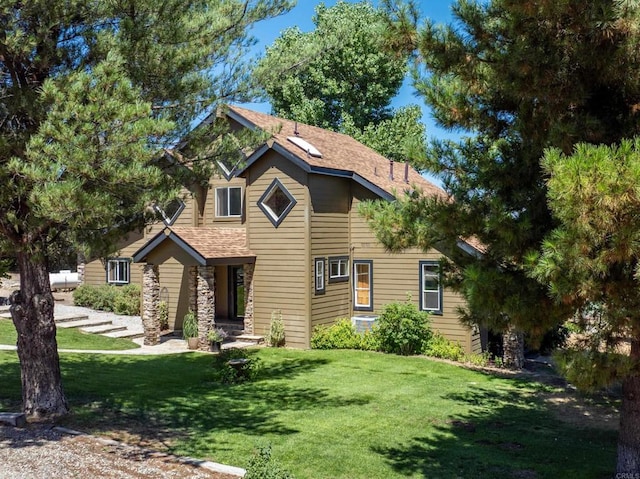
206 245
339 152
216 242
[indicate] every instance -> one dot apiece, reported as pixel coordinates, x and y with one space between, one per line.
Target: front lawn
331 414
70 338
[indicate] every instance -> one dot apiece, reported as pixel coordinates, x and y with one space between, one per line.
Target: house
283 235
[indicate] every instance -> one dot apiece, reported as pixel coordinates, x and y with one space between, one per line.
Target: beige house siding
95 271
209 218
397 274
282 253
330 203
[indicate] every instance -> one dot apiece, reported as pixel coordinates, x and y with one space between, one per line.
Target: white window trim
343 269
369 305
319 276
111 262
423 266
228 205
169 221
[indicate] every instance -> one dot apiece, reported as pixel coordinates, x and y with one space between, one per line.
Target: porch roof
207 246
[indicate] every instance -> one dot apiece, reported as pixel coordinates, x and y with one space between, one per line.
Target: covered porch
206 270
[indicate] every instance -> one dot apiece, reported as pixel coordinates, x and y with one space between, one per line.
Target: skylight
305 145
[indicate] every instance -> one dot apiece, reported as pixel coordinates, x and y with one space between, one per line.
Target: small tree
591 262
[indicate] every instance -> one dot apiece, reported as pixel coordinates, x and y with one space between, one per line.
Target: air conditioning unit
363 323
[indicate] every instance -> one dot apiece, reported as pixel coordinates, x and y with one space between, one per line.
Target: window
319 275
338 269
228 201
363 285
118 271
430 287
170 211
276 202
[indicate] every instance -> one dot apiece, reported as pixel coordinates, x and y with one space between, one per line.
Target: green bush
440 347
163 315
190 325
263 466
106 297
275 337
402 329
340 335
127 300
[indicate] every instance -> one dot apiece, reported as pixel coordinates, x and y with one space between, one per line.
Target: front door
236 290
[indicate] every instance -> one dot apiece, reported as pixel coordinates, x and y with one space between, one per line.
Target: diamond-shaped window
276 202
170 211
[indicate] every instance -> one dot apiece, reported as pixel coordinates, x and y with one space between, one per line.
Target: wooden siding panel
209 217
396 275
282 258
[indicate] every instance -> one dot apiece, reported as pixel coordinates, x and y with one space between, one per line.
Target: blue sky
301 16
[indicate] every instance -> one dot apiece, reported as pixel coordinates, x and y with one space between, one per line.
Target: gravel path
40 451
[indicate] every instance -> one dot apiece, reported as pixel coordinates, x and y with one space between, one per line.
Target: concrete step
125 334
65 318
249 338
104 328
83 323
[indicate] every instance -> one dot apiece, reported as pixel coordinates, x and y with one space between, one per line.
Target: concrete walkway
168 344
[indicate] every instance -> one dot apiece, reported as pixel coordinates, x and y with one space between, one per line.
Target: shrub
275 337
263 466
340 335
127 300
440 347
190 325
481 360
402 329
224 373
163 315
118 299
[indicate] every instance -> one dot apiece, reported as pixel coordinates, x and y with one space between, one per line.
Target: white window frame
121 276
273 217
169 221
319 276
342 263
363 306
226 212
430 269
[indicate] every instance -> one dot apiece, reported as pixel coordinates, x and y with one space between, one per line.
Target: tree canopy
515 78
341 76
90 93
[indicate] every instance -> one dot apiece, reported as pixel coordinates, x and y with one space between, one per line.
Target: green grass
70 338
332 414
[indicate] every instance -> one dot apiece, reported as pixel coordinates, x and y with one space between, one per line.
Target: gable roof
207 246
341 155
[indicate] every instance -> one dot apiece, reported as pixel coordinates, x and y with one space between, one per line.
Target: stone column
193 288
513 346
206 304
150 302
80 268
249 268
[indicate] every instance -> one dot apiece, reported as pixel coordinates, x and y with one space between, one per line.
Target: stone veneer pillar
249 268
80 268
150 302
193 289
206 302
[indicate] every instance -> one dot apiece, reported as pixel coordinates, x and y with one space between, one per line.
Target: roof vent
305 145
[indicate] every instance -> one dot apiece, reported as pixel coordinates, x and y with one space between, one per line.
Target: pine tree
515 78
90 92
591 262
